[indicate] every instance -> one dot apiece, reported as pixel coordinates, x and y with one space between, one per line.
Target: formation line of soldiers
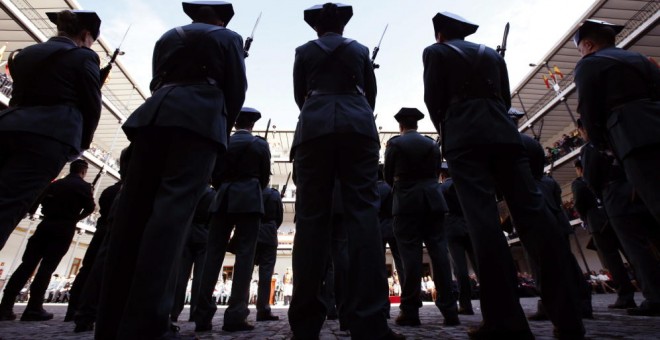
180 140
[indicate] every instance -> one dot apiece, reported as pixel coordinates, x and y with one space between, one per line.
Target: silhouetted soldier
64 203
266 252
176 135
52 115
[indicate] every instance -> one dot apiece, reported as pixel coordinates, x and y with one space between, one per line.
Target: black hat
450 23
590 25
87 19
408 113
345 13
223 9
249 114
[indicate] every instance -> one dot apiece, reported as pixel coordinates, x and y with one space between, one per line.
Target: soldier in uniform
458 241
619 103
192 260
385 218
604 237
637 230
238 206
52 115
467 95
198 89
266 252
336 138
412 162
64 203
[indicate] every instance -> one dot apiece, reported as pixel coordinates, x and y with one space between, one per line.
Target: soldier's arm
235 82
264 176
88 201
591 104
370 87
299 80
277 198
432 87
89 91
388 169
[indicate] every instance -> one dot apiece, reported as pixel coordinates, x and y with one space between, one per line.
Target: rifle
501 49
105 71
377 48
98 177
267 128
285 185
248 41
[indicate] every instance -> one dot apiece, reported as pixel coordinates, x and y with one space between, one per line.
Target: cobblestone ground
607 324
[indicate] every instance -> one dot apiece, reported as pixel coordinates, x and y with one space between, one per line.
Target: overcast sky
536 26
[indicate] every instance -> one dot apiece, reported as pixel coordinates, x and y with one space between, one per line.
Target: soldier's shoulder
393 140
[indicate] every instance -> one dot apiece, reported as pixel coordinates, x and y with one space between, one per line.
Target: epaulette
261 137
389 140
429 137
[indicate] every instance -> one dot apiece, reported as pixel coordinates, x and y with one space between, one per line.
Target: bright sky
536 26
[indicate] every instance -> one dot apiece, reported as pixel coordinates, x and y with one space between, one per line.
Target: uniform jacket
56 93
106 200
244 176
67 199
272 218
385 210
586 204
455 224
338 75
552 195
199 231
468 115
206 101
411 168
619 100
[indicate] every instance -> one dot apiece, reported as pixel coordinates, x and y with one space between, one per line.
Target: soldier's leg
53 250
182 277
266 268
220 229
459 261
608 245
436 245
199 254
544 242
340 266
394 248
357 162
29 262
409 238
88 304
83 273
638 234
641 168
497 274
314 167
28 163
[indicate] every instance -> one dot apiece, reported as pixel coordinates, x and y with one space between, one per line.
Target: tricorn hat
87 19
249 114
408 114
223 9
515 114
591 25
345 13
455 25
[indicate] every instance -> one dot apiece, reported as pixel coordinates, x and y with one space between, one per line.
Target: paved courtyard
607 324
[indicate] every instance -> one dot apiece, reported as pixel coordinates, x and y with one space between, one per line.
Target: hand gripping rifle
377 48
501 49
105 71
285 185
248 41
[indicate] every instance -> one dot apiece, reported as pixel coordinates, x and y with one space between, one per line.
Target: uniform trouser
265 257
460 249
167 174
45 249
87 308
192 262
608 246
398 262
28 163
410 231
353 160
641 168
478 172
83 274
334 285
246 228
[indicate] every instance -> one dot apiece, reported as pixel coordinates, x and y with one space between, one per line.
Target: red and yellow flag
546 81
558 72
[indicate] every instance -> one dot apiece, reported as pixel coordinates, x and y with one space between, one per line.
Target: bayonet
377 48
248 41
105 71
267 128
501 49
285 184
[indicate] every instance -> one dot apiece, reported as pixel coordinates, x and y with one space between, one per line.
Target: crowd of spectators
104 156
563 147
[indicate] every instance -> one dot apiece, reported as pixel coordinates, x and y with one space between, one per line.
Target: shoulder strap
41 66
477 62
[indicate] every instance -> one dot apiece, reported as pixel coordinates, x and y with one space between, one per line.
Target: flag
545 80
558 72
554 79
